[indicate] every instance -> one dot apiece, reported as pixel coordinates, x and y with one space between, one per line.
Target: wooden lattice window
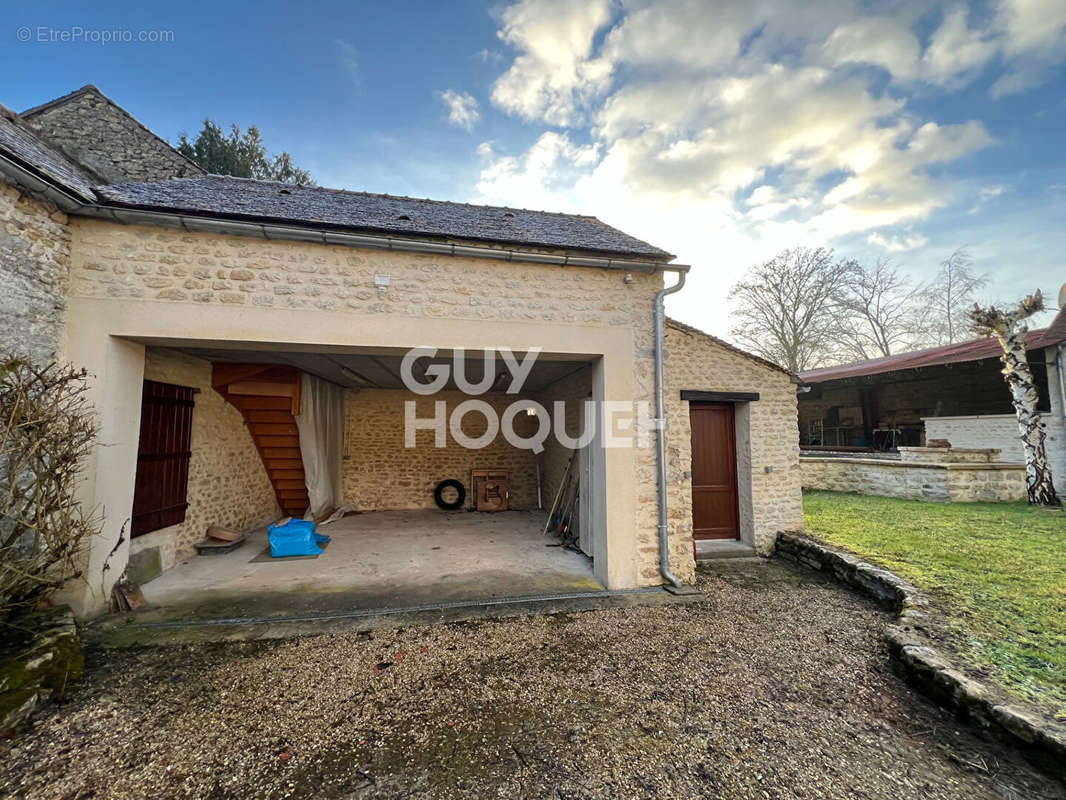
161 489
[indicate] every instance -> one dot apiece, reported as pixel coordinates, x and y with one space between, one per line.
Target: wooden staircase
268 397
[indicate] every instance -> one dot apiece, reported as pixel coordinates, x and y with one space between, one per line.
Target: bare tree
948 297
876 311
783 307
1009 327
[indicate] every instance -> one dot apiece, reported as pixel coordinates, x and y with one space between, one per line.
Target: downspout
660 437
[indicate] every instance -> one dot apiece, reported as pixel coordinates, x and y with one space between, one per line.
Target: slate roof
265 201
20 143
960 352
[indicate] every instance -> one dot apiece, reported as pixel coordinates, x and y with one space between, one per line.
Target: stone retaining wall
918 663
46 668
947 483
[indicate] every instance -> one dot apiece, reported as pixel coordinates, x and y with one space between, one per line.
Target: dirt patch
777 685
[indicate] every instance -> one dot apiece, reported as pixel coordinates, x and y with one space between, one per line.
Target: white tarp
321 426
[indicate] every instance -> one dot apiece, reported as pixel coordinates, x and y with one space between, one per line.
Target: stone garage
204 305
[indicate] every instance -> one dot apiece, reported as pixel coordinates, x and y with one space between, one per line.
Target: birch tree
1009 327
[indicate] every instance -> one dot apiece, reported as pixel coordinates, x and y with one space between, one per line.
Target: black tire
460 495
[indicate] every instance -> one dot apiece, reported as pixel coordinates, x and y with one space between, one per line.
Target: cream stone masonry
936 481
698 362
34 268
228 484
381 473
167 285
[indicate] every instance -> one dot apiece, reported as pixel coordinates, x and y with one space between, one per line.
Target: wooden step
284 463
287 453
287 483
285 474
257 416
249 402
267 442
274 429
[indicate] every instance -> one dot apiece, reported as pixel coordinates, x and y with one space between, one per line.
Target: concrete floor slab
709 549
376 560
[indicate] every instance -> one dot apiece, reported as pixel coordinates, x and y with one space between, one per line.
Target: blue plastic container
296 537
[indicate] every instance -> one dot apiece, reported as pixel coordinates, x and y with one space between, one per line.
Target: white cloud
462 108
957 52
880 41
553 77
898 243
540 178
1034 39
725 137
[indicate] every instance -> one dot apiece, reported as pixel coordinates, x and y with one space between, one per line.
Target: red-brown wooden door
714 472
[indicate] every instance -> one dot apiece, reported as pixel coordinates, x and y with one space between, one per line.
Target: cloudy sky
720 131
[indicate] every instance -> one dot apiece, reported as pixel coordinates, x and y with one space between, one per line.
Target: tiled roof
960 352
244 199
30 150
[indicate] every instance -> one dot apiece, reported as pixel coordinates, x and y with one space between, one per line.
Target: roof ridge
93 88
89 87
77 169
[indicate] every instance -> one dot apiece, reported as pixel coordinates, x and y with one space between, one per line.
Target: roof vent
404 217
284 191
508 214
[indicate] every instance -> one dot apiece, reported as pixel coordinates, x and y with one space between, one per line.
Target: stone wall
950 455
914 643
228 484
176 267
104 138
381 473
999 431
955 483
698 362
34 271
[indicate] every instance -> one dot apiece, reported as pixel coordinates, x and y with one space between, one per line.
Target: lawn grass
997 570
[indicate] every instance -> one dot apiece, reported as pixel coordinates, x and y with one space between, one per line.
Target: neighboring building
206 307
954 393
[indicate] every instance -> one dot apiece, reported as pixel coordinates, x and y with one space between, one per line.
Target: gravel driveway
776 686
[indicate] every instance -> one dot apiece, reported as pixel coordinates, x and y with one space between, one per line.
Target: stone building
251 347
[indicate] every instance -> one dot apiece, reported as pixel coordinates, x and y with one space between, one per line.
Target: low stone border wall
915 480
913 659
51 661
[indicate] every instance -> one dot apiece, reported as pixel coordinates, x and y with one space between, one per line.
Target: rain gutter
271 231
